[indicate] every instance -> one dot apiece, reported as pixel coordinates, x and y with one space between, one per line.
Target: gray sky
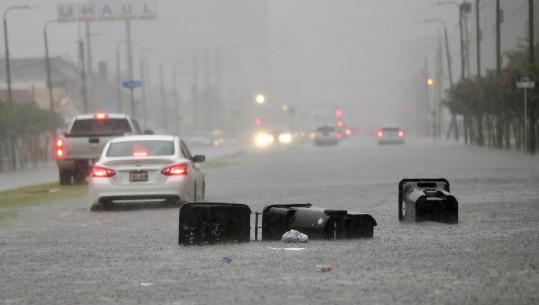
355 54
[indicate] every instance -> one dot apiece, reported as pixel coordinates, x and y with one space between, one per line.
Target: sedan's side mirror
199 158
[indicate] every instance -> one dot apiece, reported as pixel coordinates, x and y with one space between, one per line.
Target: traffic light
338 112
258 121
340 124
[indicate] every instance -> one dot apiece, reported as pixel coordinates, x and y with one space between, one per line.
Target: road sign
131 84
104 10
525 81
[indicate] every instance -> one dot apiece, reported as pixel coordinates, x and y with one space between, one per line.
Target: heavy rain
269 152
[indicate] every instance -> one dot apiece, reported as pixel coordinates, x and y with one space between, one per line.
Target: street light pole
176 94
48 63
6 43
461 7
448 56
130 63
163 93
118 76
144 84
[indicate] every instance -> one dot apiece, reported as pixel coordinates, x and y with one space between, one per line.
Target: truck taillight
59 148
103 172
175 170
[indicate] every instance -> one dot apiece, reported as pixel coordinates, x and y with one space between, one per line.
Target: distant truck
80 147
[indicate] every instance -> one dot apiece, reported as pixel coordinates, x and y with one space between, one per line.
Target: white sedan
146 168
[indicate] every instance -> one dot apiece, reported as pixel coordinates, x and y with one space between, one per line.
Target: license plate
138 176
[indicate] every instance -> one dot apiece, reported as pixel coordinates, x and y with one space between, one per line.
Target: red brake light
100 116
59 148
348 131
98 171
338 135
380 133
140 154
175 170
401 133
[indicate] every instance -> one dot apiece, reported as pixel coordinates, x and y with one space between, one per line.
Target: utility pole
48 64
478 59
130 62
478 38
164 112
118 79
426 92
84 89
89 69
498 43
195 91
209 108
499 20
439 88
176 107
462 58
532 136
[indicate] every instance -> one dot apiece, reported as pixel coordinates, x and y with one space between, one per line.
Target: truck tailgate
77 147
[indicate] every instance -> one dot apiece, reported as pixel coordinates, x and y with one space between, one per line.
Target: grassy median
43 193
37 194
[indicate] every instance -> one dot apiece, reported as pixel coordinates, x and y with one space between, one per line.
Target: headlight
285 138
263 139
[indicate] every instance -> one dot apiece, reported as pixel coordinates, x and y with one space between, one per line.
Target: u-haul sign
107 10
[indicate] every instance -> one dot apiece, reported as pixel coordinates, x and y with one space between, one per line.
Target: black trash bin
317 223
427 200
214 222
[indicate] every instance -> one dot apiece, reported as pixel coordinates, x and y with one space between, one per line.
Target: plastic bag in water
294 236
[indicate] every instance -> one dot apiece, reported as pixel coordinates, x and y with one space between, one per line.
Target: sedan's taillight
175 170
380 133
401 133
98 171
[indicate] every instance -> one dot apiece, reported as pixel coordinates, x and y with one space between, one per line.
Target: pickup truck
80 147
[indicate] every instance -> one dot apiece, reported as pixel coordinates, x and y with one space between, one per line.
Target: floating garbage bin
427 200
317 223
214 222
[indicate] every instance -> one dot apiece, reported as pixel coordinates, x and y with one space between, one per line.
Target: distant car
282 137
390 135
326 135
263 139
146 168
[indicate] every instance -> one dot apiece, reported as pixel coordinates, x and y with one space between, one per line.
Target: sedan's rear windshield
103 127
141 148
391 129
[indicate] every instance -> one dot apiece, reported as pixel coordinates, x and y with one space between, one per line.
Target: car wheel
65 177
80 176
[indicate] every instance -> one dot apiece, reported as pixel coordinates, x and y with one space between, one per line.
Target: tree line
26 134
493 107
